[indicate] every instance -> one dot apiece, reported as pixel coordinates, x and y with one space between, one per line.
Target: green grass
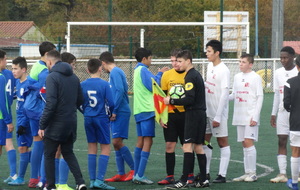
266 158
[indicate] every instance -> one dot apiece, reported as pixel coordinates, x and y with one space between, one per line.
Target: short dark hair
67 57
107 57
288 49
46 47
2 54
216 45
21 61
249 57
185 54
93 65
140 53
54 54
298 60
174 52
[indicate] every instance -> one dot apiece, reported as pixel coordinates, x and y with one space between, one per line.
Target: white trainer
280 178
251 178
241 178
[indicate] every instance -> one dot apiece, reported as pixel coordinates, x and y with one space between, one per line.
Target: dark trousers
50 148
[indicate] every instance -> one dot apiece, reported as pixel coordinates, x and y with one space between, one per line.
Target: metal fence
264 67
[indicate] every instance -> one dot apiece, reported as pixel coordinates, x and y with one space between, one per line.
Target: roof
293 44
14 42
15 29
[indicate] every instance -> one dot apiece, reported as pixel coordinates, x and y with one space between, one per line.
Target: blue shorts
146 128
34 125
3 132
97 129
120 127
25 139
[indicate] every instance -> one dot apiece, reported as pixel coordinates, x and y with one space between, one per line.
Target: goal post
70 24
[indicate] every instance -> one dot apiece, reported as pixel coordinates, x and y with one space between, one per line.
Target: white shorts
282 123
221 131
295 138
247 132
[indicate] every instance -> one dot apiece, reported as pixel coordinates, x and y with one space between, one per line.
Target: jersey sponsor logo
210 83
209 91
189 86
247 84
214 76
241 99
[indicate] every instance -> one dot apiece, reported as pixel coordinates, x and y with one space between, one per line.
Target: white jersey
217 81
281 76
246 89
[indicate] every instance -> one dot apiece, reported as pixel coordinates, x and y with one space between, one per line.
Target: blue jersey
4 107
20 88
119 87
97 95
10 85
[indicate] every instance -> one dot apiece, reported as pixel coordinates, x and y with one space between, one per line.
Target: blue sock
120 163
36 157
63 171
12 161
56 170
126 154
24 160
92 164
102 166
143 163
137 158
29 156
42 170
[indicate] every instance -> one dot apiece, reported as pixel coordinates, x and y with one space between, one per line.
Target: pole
221 20
256 28
142 39
198 47
109 27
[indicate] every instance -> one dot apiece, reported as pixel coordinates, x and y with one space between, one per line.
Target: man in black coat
58 124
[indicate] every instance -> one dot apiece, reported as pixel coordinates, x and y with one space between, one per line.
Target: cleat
40 185
45 188
190 178
241 178
220 179
280 178
168 180
208 176
291 185
17 182
200 183
129 175
142 180
117 178
81 187
177 185
63 187
251 178
10 178
101 185
92 184
33 182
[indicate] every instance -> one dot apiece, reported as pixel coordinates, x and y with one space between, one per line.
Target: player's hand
10 127
215 124
167 100
164 69
163 125
113 117
253 123
41 133
273 121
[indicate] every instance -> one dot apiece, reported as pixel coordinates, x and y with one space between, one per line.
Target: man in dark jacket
291 103
58 123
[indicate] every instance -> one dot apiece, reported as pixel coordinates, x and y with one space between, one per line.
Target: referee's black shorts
175 128
195 126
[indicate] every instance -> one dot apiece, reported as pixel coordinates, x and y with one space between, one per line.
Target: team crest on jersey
189 86
247 84
214 76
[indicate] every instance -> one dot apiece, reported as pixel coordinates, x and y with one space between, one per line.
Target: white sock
251 158
224 162
295 169
282 163
246 165
208 153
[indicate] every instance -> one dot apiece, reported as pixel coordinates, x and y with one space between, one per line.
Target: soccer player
33 108
247 94
97 97
195 121
9 146
24 137
5 114
292 104
58 123
174 129
143 110
120 117
217 92
280 117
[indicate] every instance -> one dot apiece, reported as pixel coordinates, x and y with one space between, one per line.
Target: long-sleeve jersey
20 88
119 87
98 99
4 104
10 85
